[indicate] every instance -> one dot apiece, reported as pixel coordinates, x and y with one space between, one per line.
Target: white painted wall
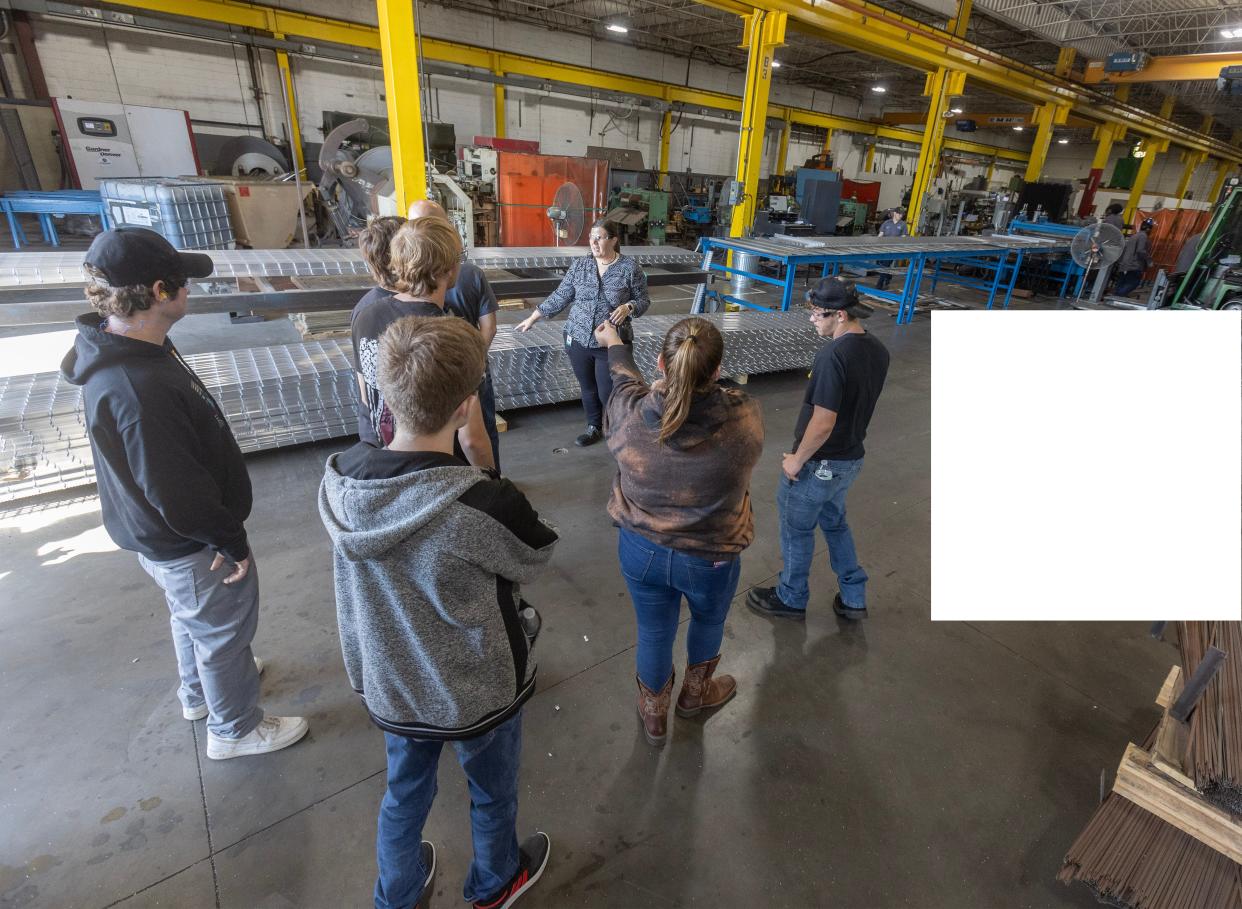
214 83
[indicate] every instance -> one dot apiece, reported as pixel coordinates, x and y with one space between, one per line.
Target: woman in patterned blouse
605 287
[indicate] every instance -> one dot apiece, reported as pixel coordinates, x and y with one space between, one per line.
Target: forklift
1214 280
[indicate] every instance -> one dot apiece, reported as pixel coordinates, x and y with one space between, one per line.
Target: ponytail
692 351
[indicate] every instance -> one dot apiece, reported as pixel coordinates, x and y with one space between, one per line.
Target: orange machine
527 186
1173 227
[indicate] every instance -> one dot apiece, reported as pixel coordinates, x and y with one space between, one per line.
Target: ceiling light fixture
619 29
1017 129
776 64
955 110
1231 32
879 88
1062 141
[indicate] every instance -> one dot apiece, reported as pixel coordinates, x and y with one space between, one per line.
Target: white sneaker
272 734
200 712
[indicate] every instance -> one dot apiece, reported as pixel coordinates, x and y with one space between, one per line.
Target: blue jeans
801 507
1128 282
658 577
491 763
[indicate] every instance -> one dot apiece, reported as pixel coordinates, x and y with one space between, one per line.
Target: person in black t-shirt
374 243
425 256
846 382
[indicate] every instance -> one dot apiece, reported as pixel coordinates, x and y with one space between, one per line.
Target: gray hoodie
428 555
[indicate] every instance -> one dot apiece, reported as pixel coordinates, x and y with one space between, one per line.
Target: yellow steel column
870 160
1065 61
764 32
498 99
666 133
1166 107
1222 171
398 41
782 153
286 77
827 140
1047 117
1153 147
957 25
940 87
991 170
1193 160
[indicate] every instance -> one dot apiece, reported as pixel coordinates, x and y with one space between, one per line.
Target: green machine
852 217
1214 280
642 214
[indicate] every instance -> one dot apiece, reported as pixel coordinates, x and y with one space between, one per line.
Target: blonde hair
423 252
692 351
427 366
375 244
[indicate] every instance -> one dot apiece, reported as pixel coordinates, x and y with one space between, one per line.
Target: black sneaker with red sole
534 858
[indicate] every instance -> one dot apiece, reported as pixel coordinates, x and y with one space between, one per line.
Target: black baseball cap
135 255
834 294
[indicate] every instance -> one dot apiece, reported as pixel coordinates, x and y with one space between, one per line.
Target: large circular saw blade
250 156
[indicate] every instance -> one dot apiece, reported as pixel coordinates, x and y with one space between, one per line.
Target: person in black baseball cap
835 296
173 486
128 256
826 457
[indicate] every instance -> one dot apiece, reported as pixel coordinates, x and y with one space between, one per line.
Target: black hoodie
171 477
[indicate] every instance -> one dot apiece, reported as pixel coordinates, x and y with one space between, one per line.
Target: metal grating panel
295 393
34 269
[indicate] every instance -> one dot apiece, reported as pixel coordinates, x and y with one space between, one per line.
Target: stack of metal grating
295 393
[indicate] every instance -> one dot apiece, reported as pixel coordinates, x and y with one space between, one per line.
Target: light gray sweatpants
212 627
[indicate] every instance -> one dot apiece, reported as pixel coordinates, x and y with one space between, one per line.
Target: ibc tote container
191 214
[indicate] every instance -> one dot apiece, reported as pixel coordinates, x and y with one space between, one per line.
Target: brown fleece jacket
691 493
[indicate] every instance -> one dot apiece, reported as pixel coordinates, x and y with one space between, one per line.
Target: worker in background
685 449
428 557
1112 215
605 286
893 226
934 209
425 255
1135 260
173 485
472 299
846 382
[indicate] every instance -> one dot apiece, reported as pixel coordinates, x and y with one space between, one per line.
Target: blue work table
738 259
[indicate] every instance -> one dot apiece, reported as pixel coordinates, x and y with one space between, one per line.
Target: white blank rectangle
1086 465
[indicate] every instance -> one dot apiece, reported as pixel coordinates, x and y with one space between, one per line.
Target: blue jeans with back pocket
809 503
658 578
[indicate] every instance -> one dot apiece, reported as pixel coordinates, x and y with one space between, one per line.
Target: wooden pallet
1154 781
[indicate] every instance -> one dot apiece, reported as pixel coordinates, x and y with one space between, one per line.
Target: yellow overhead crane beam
352 34
867 28
983 121
1182 68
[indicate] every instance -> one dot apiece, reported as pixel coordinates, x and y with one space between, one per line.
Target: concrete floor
894 763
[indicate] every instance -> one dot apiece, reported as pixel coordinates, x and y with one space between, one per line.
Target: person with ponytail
685 448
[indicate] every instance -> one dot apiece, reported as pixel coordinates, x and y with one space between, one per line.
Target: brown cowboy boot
653 710
700 691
